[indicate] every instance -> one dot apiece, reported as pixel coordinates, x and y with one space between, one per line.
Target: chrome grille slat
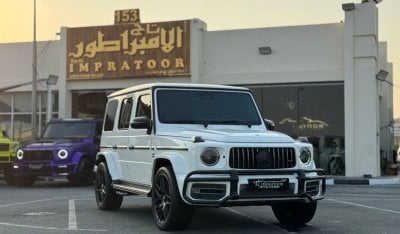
246 157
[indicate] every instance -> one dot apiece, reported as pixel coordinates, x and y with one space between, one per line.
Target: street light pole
34 77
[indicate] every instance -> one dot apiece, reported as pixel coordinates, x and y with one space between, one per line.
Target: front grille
262 157
39 155
5 159
4 147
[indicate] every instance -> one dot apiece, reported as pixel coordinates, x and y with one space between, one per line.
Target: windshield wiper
186 121
235 122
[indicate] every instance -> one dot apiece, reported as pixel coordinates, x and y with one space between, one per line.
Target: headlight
62 154
305 155
209 156
20 154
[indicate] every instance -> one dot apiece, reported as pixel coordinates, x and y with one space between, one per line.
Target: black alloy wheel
106 198
169 211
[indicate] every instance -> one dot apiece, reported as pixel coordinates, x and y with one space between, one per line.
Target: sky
16 18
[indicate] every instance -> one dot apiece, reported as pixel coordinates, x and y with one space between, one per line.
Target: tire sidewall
180 214
111 200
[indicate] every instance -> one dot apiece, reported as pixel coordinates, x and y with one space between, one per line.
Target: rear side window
125 113
110 115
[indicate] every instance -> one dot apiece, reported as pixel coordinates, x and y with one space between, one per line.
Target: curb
364 181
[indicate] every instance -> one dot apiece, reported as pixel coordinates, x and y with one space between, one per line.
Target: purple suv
67 147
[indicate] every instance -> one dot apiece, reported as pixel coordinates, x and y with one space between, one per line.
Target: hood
234 136
52 143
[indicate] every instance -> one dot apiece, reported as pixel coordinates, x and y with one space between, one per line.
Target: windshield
65 130
206 107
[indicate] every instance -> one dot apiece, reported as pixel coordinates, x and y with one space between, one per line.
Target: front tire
169 211
106 198
294 213
84 173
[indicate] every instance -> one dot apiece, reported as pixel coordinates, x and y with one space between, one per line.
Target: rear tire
169 211
294 213
106 198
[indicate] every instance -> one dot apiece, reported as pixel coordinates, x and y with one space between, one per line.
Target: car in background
8 149
67 147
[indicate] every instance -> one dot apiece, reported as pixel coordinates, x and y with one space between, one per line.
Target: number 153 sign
126 16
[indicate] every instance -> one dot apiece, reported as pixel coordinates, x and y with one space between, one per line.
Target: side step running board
132 189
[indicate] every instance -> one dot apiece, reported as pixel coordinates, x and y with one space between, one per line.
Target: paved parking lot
57 207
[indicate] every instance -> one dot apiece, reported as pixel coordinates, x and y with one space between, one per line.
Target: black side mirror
141 122
270 124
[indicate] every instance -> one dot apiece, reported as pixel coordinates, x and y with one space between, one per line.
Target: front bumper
234 187
43 168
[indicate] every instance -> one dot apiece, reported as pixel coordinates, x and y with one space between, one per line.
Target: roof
174 85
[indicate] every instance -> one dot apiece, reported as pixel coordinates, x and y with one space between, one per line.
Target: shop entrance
311 112
89 104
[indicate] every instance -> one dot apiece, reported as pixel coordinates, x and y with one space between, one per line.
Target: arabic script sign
129 50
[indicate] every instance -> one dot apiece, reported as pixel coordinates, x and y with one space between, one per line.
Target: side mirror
270 124
303 139
141 122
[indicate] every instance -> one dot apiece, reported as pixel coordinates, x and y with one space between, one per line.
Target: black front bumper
309 186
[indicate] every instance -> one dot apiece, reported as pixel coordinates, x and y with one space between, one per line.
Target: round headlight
209 156
305 155
20 154
62 154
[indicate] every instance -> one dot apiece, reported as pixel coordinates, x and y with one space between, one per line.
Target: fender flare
175 160
178 167
111 159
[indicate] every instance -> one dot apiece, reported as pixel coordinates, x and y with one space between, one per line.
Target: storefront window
54 101
23 103
16 112
313 112
89 103
22 128
5 103
5 124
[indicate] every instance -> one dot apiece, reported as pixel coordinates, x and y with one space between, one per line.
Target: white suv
191 145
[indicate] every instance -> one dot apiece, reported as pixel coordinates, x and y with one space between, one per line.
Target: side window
110 115
144 106
125 113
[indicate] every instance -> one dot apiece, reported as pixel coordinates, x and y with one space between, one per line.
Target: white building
317 81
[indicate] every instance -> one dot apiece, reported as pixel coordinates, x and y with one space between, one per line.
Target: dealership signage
129 50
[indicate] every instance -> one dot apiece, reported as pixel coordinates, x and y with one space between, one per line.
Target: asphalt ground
57 207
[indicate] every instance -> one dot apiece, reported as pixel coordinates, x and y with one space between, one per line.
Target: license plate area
35 166
267 187
268 184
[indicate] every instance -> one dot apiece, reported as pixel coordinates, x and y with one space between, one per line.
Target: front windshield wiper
205 123
231 121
